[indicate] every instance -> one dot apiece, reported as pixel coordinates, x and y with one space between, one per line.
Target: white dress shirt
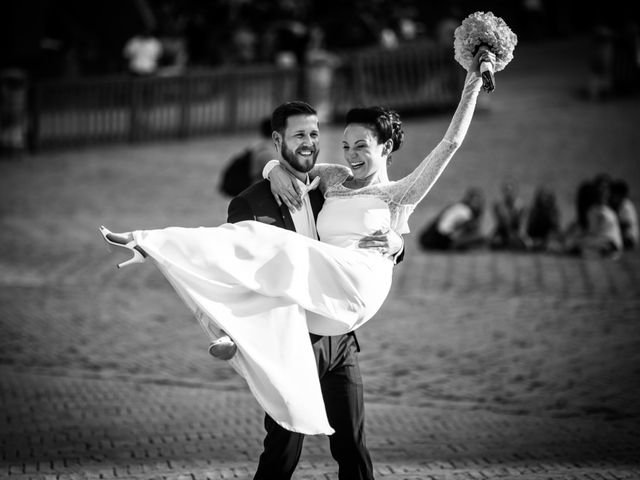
303 219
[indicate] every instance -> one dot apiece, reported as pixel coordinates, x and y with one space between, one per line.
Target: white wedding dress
268 287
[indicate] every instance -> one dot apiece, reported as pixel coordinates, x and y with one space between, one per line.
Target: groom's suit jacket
257 203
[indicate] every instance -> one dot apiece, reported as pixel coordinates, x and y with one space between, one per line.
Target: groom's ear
277 140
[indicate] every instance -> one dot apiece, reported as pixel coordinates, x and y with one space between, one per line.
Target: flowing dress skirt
267 288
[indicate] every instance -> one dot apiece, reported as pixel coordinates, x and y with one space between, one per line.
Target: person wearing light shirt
457 227
143 53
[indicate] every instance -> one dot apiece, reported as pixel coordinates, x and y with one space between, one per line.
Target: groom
297 139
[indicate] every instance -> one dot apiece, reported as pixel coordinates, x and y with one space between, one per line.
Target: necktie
312 186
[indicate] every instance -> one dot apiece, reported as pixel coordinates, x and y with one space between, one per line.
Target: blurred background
131 70
70 38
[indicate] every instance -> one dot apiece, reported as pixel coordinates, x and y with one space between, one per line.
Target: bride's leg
274 262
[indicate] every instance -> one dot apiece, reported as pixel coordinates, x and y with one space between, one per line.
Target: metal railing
420 75
123 109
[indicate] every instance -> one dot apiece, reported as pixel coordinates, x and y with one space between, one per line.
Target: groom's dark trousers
337 360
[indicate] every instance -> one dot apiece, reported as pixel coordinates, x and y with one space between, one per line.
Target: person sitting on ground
627 215
543 222
509 214
245 168
585 198
601 236
458 226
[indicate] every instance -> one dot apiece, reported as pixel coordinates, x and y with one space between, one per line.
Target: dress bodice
343 221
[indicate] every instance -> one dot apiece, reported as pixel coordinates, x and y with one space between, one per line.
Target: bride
267 287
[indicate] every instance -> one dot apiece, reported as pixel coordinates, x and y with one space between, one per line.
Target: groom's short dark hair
284 111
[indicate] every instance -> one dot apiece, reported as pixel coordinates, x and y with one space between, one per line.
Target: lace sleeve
330 174
411 189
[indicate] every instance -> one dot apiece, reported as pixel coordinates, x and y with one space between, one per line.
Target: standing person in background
320 69
143 52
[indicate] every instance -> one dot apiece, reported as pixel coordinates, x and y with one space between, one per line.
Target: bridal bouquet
484 31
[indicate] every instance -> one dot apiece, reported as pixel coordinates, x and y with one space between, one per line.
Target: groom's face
299 144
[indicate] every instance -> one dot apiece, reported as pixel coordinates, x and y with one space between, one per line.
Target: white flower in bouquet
484 30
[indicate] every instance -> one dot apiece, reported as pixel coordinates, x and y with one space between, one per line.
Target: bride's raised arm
482 43
411 189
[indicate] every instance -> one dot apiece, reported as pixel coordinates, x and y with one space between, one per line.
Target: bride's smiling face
366 157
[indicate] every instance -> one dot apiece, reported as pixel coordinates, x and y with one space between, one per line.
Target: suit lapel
286 218
317 199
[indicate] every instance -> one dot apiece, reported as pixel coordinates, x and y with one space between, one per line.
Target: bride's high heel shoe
138 254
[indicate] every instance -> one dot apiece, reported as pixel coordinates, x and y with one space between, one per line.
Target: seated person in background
245 168
625 210
600 236
585 198
458 226
263 150
543 222
509 214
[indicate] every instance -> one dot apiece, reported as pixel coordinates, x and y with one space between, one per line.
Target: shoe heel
137 258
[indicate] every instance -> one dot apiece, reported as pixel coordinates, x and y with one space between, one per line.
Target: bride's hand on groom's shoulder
285 188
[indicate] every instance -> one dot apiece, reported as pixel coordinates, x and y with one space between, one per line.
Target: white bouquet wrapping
484 30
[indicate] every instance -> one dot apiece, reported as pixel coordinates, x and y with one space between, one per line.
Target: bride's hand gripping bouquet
484 31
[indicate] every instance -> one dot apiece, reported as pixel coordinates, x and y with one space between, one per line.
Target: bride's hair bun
384 122
397 133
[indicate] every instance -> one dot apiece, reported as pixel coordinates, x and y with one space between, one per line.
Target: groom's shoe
223 348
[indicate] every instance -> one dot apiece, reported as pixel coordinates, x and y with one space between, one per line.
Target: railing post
185 105
233 80
229 99
134 112
34 111
358 79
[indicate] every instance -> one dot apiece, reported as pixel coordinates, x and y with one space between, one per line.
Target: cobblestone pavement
102 428
526 379
480 365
